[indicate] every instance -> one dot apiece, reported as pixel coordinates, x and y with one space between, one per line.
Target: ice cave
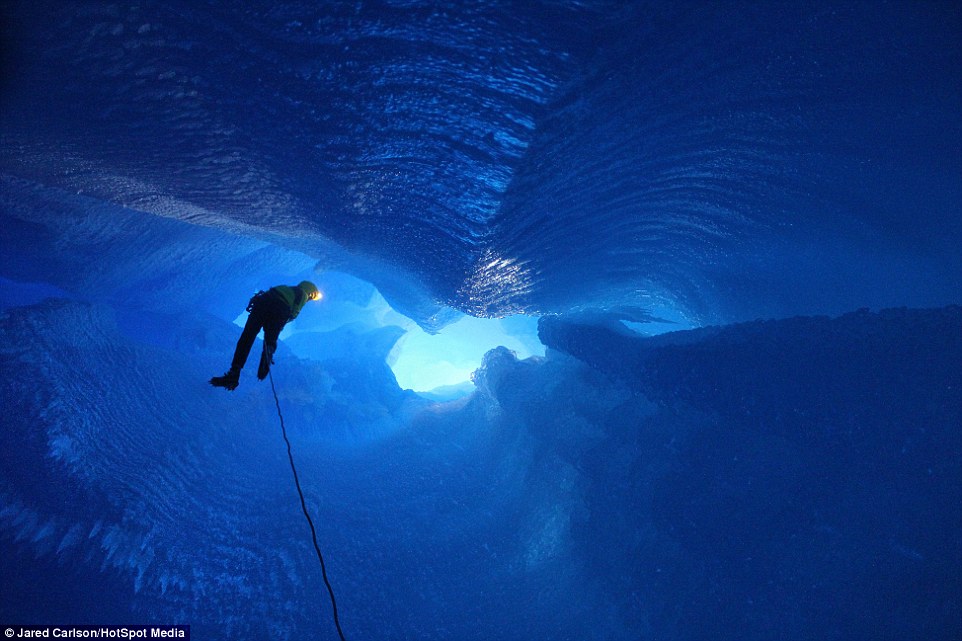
640 320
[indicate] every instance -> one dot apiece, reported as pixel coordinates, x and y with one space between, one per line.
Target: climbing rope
320 557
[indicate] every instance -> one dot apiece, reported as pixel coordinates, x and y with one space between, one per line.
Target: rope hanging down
310 522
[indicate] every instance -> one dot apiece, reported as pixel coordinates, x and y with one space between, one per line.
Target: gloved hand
267 359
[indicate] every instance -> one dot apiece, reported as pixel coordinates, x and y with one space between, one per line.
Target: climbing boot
267 359
228 381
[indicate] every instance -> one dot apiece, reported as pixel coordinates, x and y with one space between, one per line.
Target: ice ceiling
704 162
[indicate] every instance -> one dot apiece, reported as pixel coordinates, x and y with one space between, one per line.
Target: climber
270 311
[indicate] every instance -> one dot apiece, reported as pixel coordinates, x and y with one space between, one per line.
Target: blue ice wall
618 169
798 477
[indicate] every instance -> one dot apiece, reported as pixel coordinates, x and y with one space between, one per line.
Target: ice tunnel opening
440 365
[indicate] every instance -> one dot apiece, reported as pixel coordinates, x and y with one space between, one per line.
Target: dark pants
269 313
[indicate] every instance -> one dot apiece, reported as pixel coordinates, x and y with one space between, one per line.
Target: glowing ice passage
640 320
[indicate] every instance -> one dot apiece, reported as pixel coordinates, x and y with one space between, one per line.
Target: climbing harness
261 294
250 304
310 522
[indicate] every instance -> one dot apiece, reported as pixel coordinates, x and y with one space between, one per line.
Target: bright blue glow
423 362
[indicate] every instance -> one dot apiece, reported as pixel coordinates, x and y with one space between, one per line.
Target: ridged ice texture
604 500
728 160
113 478
735 159
391 128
